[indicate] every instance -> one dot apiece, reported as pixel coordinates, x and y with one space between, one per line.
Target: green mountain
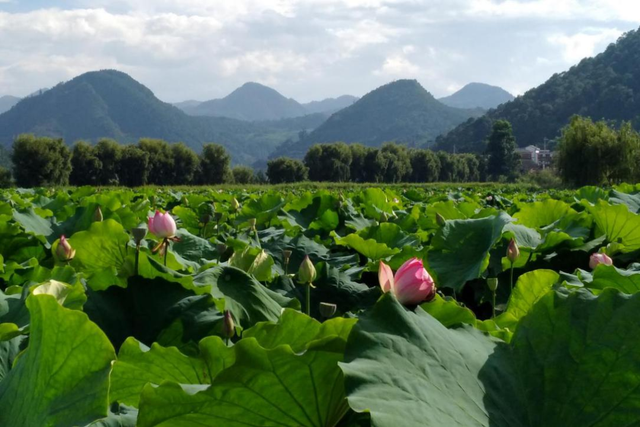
111 104
402 111
477 95
604 87
250 102
330 105
7 101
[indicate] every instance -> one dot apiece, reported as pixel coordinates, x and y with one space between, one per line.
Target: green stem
494 305
226 342
286 267
137 259
309 299
512 277
166 251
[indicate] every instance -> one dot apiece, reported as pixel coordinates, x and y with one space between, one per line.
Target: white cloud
398 66
585 44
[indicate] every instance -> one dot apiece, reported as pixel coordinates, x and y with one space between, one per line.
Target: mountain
113 105
251 102
187 105
330 105
6 102
477 95
402 111
604 87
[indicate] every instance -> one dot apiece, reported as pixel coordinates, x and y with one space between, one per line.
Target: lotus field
350 306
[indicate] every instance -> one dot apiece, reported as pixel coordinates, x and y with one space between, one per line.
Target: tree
595 153
108 153
161 163
398 163
5 178
86 168
447 166
501 149
329 162
185 164
375 166
243 175
359 154
133 169
425 166
41 161
284 169
214 165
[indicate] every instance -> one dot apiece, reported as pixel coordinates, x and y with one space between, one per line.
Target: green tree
185 164
284 169
133 169
215 165
243 175
472 166
5 178
359 154
425 166
40 162
329 162
398 162
108 153
501 150
375 166
447 166
161 163
594 153
86 168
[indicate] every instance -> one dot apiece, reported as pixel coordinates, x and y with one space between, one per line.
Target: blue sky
306 49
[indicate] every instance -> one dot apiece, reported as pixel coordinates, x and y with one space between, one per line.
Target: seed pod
97 215
327 310
139 233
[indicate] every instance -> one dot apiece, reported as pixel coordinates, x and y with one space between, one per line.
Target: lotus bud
413 284
599 258
97 215
235 205
184 201
492 282
64 251
286 255
513 252
139 233
307 272
440 220
327 310
385 277
162 225
229 326
252 223
221 248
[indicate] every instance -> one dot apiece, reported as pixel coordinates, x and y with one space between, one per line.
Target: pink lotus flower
64 251
513 251
599 258
411 285
162 225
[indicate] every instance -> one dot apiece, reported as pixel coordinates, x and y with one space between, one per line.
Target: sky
305 49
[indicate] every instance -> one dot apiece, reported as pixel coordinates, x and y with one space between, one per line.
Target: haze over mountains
7 101
477 95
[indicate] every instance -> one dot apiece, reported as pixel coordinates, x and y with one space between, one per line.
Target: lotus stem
512 277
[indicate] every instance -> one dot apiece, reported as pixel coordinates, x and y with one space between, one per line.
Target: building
534 158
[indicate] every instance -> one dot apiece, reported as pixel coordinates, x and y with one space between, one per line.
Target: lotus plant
163 226
411 284
306 275
64 251
513 252
599 258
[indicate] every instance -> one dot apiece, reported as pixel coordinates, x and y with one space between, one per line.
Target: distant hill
187 105
7 101
111 104
402 111
477 95
604 87
330 105
251 102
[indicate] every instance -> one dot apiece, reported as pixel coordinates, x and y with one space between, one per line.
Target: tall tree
215 165
86 168
359 154
108 153
185 164
243 175
133 169
398 162
329 162
425 166
285 170
161 163
501 150
41 162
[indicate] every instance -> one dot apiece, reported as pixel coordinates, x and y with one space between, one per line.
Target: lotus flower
162 225
411 285
64 251
307 272
599 258
513 252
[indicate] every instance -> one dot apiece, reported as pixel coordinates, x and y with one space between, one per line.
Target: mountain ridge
477 95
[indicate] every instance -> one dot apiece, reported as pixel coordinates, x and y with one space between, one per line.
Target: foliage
40 161
243 175
283 170
214 165
501 150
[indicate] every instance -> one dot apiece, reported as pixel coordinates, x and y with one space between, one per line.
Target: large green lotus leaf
528 290
119 416
145 308
375 202
573 361
9 351
255 261
63 377
138 365
608 276
264 387
632 201
618 224
408 369
193 251
320 214
525 237
460 249
540 214
100 252
34 224
449 312
591 194
578 359
379 241
263 209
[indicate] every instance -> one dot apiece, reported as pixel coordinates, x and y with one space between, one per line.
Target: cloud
583 44
398 66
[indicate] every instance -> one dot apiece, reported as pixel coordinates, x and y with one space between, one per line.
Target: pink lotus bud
162 225
513 252
229 326
64 251
385 277
413 284
599 258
